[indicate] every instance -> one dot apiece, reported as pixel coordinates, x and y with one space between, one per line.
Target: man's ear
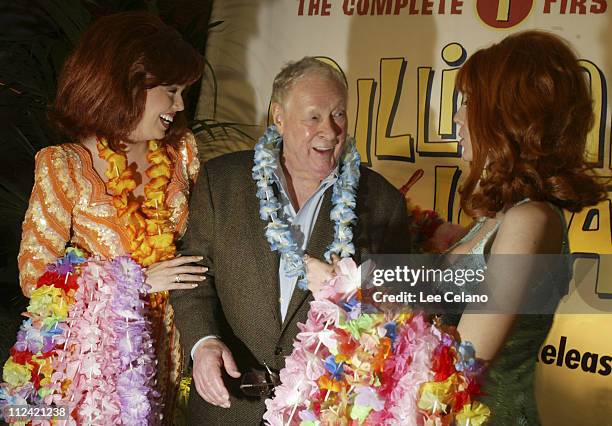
278 116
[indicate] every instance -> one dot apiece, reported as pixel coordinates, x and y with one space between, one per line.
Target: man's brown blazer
239 302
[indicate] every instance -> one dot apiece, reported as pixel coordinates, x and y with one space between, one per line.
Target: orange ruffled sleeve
193 162
47 224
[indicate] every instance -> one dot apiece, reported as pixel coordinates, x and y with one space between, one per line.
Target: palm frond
210 127
215 87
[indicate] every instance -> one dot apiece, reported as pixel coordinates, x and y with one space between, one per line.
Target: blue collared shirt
302 223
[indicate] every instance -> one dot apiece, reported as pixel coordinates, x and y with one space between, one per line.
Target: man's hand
318 272
207 361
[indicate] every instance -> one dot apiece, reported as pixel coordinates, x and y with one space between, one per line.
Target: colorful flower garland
278 231
150 230
86 344
349 367
27 374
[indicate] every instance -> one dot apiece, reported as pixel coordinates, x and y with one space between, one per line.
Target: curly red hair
529 112
102 86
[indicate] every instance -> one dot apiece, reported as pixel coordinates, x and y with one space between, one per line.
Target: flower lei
85 344
150 231
27 374
105 361
149 227
278 231
385 368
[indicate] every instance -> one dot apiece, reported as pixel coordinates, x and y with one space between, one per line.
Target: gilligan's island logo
500 14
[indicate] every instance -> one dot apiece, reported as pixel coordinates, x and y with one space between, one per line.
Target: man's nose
330 129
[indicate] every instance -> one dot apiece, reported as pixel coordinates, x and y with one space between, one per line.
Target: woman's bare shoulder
530 228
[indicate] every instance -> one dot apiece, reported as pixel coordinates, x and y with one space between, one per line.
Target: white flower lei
278 231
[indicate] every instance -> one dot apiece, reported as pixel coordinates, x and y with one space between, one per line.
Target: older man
245 205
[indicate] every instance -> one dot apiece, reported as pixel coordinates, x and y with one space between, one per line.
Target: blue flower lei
278 231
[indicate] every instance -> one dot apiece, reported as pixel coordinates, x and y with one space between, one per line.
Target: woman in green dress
524 120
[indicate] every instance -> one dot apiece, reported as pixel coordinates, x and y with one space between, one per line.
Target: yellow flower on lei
474 414
48 301
435 396
16 374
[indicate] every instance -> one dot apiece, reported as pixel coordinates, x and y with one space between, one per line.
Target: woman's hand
175 274
318 272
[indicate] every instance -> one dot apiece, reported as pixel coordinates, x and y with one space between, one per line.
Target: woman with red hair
524 121
118 191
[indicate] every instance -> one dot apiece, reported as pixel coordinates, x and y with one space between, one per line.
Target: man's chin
322 173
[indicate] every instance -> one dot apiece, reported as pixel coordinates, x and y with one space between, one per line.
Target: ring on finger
177 278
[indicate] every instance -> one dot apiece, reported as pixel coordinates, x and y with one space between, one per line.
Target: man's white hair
294 71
